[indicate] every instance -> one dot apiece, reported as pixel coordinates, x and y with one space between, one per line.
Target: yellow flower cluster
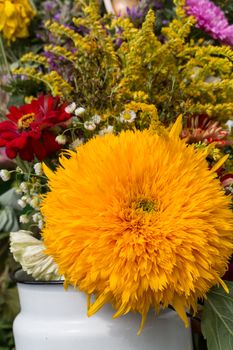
163 227
53 81
15 18
124 65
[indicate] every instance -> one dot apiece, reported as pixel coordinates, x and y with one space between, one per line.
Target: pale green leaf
9 199
8 220
217 320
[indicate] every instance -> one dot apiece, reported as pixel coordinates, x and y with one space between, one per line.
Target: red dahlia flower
29 130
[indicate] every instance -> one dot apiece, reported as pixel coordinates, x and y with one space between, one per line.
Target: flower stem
4 57
33 4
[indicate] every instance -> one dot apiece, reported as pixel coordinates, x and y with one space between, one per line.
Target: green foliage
227 7
217 320
19 88
9 305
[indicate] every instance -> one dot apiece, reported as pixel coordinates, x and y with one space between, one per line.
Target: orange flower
140 221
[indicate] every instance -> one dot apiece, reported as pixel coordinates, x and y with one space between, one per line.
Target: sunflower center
25 121
146 205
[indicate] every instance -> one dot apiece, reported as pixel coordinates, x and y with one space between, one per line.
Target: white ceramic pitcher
54 319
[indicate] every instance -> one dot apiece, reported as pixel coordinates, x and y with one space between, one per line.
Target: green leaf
10 307
217 320
8 220
10 198
4 235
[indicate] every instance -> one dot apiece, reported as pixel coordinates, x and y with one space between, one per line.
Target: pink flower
211 19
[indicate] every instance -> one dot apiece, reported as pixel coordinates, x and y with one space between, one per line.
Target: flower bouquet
123 170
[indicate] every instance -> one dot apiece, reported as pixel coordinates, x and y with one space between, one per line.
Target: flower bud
89 125
61 139
79 111
24 219
5 175
71 108
38 169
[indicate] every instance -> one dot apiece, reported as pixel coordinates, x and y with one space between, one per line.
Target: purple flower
211 19
57 17
228 33
135 13
49 6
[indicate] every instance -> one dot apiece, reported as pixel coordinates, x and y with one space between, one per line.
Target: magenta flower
211 19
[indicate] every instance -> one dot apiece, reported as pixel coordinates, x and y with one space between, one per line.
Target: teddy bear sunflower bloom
145 222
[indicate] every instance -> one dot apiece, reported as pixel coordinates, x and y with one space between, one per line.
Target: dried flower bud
36 217
79 111
61 139
24 219
38 169
89 125
71 108
108 130
96 119
24 187
22 203
35 202
5 175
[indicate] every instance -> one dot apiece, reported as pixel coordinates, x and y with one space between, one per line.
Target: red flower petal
11 153
33 136
39 149
50 143
18 143
26 153
7 125
15 114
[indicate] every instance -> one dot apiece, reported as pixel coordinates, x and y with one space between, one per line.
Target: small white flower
71 108
229 124
35 202
79 111
19 170
76 143
212 79
5 175
18 191
96 119
128 116
22 203
195 72
108 130
61 139
36 217
38 169
24 187
40 224
24 219
89 125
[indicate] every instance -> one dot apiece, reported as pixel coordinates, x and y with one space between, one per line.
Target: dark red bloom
29 131
227 180
229 274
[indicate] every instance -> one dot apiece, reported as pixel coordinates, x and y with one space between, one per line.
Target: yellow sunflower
140 221
15 18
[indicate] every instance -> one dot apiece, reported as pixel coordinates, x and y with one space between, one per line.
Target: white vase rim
20 276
